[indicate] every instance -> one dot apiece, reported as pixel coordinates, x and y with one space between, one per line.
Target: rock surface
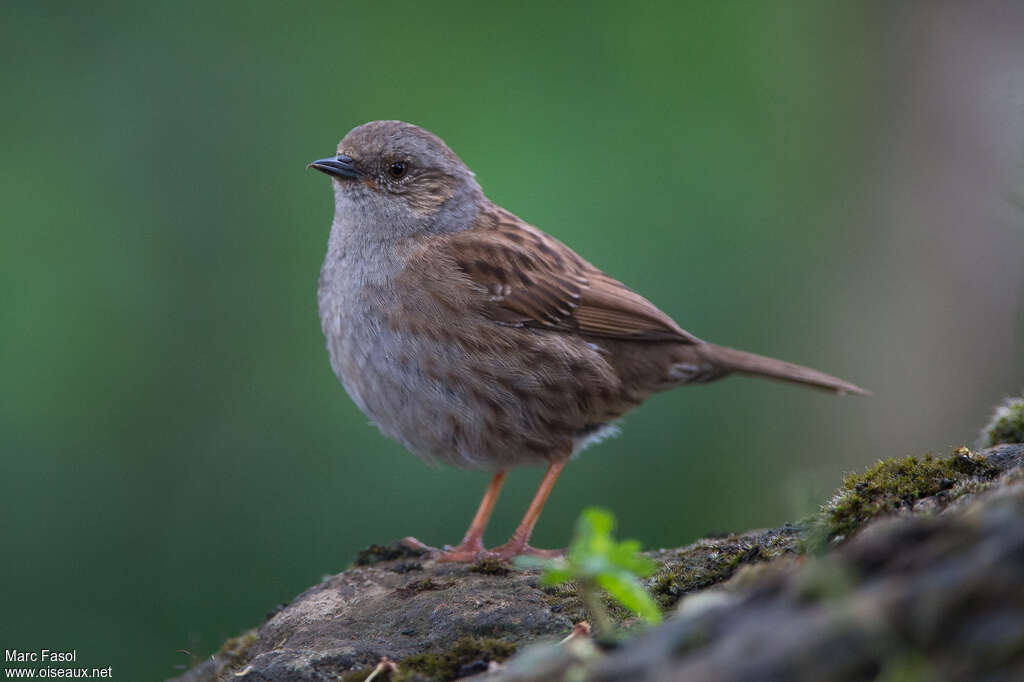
921 596
927 587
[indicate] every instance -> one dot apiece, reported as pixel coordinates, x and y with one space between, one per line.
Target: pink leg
473 543
519 543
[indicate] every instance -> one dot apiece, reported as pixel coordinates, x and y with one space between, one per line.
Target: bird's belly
483 405
379 375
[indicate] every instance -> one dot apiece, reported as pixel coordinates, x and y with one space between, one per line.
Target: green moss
616 611
465 652
565 599
1007 425
374 554
907 666
235 652
425 585
895 484
707 567
490 567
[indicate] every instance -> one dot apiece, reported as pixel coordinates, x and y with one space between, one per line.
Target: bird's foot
512 549
469 551
465 552
412 543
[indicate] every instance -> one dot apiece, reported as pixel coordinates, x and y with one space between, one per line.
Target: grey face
398 168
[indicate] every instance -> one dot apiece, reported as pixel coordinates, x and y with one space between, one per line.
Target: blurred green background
837 184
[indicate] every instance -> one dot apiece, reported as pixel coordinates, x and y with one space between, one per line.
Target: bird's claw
510 550
464 552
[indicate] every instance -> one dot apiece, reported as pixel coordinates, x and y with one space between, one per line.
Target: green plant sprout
595 562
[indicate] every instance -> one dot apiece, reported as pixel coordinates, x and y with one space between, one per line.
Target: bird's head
399 174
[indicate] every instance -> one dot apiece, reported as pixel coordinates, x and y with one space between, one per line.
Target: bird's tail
732 360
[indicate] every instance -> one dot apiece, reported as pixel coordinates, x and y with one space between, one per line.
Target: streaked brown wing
531 279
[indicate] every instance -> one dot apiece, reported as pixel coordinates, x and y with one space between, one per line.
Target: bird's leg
519 542
473 543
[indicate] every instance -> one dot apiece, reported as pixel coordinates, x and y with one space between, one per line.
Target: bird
475 339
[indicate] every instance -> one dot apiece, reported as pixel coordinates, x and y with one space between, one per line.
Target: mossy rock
715 567
713 561
895 485
467 656
1007 425
449 621
375 554
490 567
235 653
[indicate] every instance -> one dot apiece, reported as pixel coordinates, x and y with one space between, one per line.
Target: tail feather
733 360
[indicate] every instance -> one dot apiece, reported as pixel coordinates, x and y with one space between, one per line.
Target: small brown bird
473 338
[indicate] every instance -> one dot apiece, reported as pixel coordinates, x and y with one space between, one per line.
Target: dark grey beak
339 166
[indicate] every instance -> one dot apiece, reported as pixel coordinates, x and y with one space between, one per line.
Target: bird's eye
397 169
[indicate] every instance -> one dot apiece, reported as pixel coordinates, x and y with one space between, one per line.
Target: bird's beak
339 166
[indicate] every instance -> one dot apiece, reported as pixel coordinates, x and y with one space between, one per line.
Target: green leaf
556 576
626 555
556 571
596 560
595 521
631 594
526 561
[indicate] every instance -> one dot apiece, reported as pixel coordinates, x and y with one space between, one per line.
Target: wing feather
533 280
